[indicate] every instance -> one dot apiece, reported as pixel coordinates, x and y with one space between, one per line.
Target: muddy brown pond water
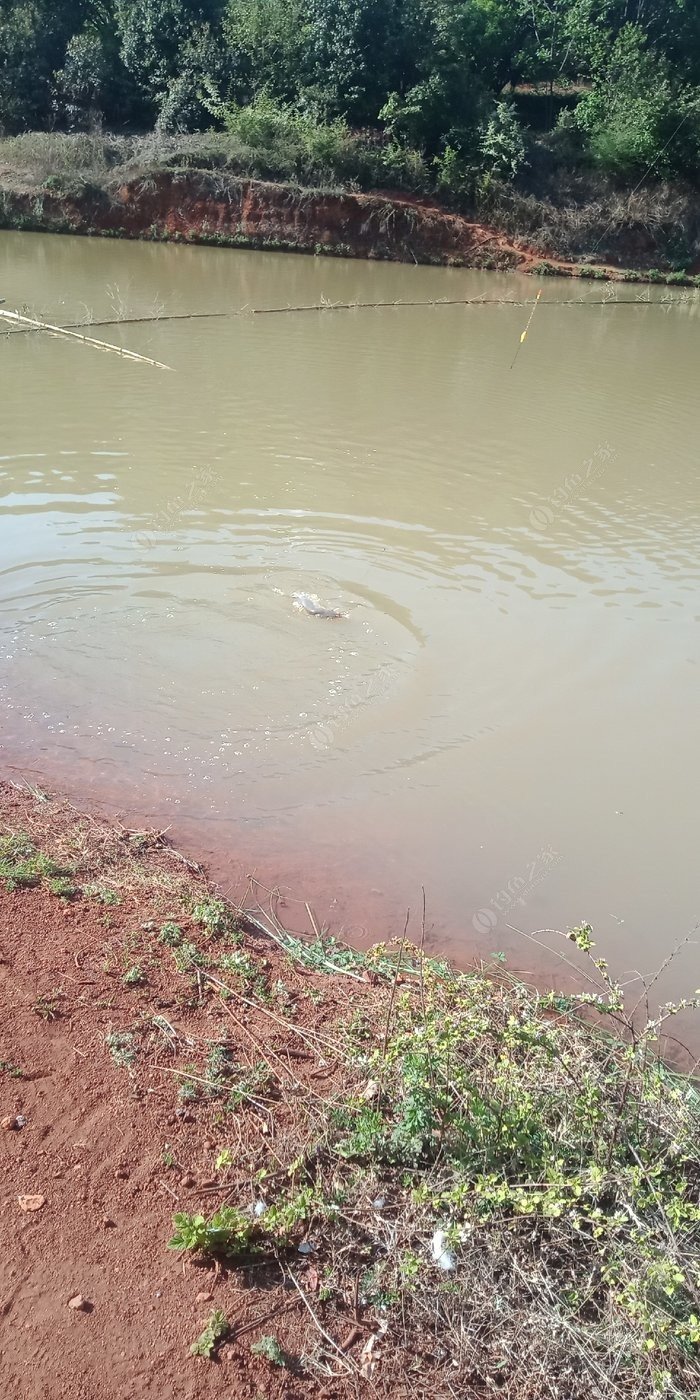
506 712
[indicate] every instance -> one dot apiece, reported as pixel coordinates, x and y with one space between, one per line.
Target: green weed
269 1348
122 1048
22 866
134 976
216 917
171 934
187 957
102 893
48 1006
9 1067
224 1235
239 964
213 1336
62 886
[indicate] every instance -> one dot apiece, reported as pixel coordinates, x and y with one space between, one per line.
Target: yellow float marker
529 323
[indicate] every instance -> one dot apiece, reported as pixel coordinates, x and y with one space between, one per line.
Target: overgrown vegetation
493 1164
543 113
500 1185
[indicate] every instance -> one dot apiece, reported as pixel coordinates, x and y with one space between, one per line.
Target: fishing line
608 226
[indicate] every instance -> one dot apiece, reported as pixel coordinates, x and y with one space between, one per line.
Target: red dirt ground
93 1148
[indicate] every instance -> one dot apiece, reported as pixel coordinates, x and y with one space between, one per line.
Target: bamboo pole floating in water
29 326
458 301
83 339
131 321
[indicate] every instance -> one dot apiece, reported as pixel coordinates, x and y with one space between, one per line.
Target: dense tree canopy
619 80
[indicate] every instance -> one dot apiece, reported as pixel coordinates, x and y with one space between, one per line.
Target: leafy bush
280 142
503 143
635 110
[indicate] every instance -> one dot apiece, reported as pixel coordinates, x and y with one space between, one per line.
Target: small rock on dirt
204 1298
78 1303
12 1122
188 1179
122 1174
108 1222
31 1202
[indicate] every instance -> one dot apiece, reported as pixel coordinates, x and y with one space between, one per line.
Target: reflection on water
506 711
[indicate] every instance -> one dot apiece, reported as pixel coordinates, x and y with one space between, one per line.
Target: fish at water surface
308 602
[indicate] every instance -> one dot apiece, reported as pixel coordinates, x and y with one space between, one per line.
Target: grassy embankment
447 1179
560 219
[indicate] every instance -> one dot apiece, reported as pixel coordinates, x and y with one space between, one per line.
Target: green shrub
503 144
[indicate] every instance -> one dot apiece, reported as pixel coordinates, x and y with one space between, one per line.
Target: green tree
80 85
360 52
634 115
159 42
461 62
268 48
33 39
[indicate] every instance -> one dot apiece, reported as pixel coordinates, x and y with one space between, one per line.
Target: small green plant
22 866
270 1349
249 1084
218 1067
48 1006
122 1048
62 886
213 1336
134 976
187 957
170 934
367 1135
189 1088
224 1159
8 1067
239 964
102 894
215 916
224 1235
